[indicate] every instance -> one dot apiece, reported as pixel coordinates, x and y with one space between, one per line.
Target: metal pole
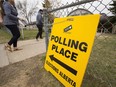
45 16
71 5
22 33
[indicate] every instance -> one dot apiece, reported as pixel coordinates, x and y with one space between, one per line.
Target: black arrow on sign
63 65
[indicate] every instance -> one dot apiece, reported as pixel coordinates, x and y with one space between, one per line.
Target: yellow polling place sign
70 45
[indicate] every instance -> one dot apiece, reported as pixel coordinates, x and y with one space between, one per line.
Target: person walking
39 24
10 20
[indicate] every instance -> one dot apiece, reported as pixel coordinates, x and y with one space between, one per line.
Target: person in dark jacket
10 20
39 24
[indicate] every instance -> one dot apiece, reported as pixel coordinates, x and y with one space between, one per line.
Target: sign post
69 48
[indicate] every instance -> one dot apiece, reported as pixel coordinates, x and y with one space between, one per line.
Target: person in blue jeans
39 24
10 20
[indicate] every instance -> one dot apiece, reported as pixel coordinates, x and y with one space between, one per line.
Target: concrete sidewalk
30 48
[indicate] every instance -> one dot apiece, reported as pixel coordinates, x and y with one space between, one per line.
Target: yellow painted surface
69 48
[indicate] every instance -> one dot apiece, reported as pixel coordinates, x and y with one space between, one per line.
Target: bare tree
49 4
27 10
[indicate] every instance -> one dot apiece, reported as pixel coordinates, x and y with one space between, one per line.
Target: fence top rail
71 5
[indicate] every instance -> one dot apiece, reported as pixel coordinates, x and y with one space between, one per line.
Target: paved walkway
30 48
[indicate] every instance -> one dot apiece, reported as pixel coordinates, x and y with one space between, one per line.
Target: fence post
22 31
45 16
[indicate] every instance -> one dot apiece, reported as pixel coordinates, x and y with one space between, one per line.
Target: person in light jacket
10 20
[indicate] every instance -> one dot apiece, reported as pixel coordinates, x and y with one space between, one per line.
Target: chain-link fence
102 64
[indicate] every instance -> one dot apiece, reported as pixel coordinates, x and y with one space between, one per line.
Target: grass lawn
100 70
28 34
102 64
4 36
